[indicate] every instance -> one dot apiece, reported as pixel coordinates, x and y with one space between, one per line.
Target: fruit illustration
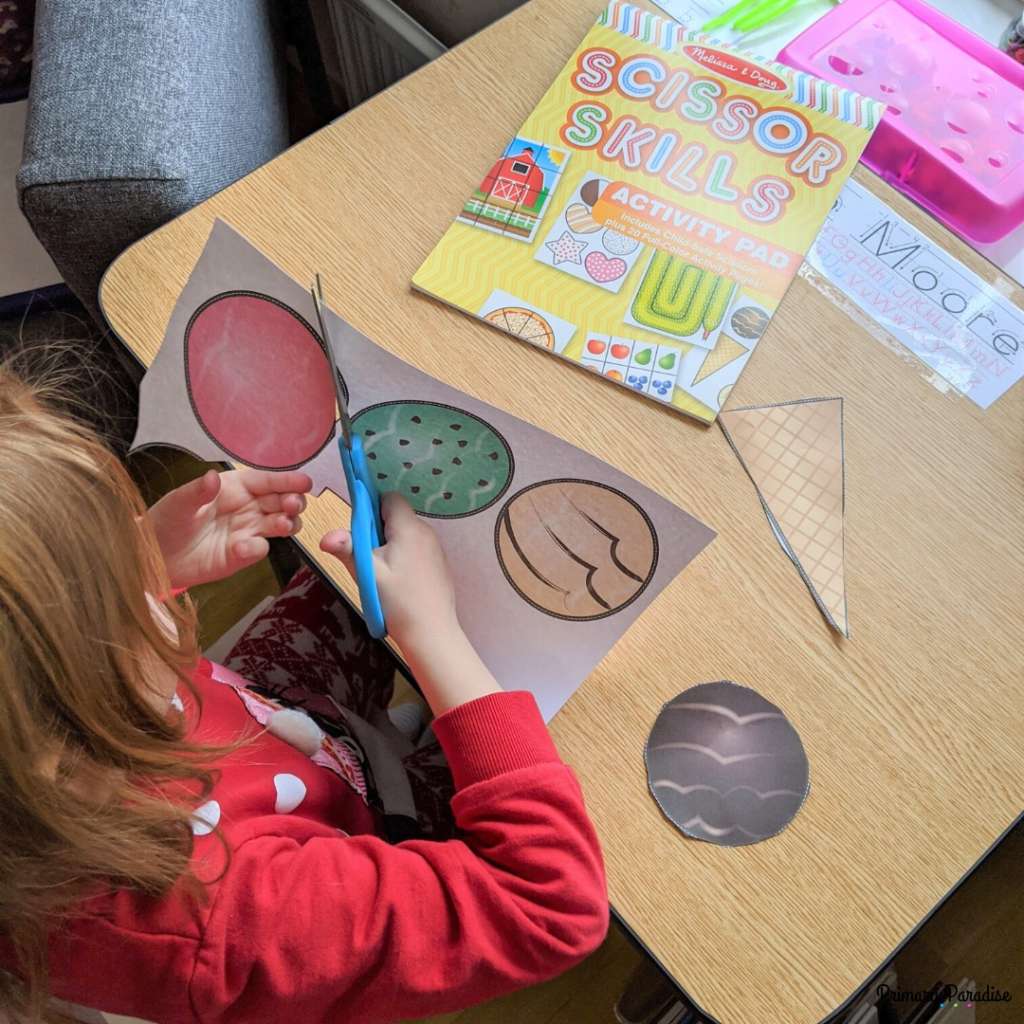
613 375
620 351
679 299
644 357
447 462
667 362
597 347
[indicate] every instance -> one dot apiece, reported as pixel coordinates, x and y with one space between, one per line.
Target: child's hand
418 600
218 524
413 579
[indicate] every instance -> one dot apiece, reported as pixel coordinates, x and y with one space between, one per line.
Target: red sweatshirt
318 919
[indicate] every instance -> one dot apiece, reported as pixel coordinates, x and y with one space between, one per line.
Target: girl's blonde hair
96 780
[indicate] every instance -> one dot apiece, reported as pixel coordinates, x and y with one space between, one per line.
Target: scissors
367 526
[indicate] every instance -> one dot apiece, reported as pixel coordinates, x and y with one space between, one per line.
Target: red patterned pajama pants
310 650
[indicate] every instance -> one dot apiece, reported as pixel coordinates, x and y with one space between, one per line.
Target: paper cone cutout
725 351
793 453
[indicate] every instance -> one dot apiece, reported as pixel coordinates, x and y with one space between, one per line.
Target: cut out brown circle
725 765
576 549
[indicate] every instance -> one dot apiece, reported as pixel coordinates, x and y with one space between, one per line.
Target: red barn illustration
515 180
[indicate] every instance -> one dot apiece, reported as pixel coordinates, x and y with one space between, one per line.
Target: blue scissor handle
362 472
367 532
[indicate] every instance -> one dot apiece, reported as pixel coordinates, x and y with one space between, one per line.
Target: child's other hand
219 523
413 578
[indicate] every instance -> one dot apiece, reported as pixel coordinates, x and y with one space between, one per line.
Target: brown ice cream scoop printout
576 549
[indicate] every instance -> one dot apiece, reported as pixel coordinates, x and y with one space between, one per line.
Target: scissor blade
343 417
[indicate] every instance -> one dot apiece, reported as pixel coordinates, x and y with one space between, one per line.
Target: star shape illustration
566 249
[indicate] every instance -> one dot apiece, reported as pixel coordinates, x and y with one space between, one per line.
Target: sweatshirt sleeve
352 929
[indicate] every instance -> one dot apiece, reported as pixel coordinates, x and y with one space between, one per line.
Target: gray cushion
138 110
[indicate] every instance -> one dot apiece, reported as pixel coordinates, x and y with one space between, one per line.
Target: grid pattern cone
793 453
725 351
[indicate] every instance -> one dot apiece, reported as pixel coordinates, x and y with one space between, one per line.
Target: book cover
649 215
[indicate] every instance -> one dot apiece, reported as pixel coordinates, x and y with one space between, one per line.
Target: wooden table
912 727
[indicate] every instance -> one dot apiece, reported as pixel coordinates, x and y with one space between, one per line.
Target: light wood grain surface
913 727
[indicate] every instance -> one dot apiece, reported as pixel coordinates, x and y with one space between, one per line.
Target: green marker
726 16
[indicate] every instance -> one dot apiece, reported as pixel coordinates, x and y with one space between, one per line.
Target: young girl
165 857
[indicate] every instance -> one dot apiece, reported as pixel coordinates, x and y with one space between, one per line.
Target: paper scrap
554 553
793 453
925 298
725 765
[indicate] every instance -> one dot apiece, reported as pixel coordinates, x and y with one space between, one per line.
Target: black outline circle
462 412
749 337
703 835
593 483
188 384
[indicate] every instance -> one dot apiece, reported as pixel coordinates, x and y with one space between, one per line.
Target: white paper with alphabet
929 301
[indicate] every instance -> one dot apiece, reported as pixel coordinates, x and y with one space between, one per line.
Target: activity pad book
652 210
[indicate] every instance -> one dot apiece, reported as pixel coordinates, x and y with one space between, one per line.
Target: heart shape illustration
602 269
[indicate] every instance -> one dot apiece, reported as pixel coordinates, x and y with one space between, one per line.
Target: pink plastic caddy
953 135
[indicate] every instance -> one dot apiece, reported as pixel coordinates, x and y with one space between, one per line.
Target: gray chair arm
138 110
